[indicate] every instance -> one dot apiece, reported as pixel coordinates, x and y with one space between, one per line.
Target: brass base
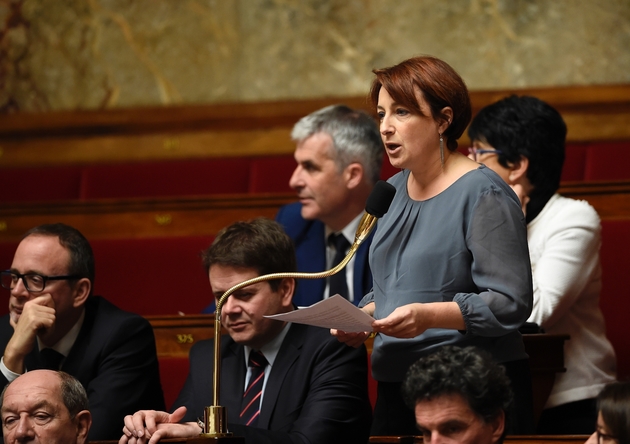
215 422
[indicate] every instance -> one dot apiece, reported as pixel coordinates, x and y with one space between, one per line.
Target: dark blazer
310 252
115 359
316 391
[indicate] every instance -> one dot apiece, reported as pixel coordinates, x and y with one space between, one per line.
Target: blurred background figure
523 140
613 415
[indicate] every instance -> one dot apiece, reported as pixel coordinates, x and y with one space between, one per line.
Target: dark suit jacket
310 252
316 391
115 359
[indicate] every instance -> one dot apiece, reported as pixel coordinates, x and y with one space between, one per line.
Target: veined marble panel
95 54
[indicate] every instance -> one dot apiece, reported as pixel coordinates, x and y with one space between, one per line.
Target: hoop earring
442 150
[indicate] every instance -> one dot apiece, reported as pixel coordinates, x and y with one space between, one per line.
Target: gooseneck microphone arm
215 416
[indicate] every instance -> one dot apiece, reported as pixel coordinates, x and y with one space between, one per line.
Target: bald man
45 406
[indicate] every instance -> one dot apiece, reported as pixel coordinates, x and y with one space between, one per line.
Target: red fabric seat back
161 179
39 184
615 297
271 174
153 276
574 162
173 373
608 161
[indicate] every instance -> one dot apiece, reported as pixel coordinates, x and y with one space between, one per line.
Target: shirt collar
349 231
271 349
64 345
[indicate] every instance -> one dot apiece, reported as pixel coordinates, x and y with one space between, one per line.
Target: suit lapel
311 258
289 352
233 373
80 351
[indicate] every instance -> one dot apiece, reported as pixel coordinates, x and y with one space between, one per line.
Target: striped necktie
250 405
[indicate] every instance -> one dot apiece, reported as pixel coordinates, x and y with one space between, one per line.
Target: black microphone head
380 199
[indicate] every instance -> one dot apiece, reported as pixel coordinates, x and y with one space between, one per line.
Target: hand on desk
149 426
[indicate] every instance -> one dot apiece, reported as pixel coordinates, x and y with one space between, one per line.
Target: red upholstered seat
574 162
173 373
608 161
615 297
271 174
39 184
153 276
166 178
7 250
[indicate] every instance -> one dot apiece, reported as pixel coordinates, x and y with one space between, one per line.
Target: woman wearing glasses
449 259
522 139
613 417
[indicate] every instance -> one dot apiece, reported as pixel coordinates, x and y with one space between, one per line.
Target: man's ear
498 426
81 292
84 422
353 175
286 290
518 170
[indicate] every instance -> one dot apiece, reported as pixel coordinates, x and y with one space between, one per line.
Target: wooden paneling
250 129
190 216
132 218
611 199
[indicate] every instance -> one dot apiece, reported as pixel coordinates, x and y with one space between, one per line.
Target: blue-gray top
468 244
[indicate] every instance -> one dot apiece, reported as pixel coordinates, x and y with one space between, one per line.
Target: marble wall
95 54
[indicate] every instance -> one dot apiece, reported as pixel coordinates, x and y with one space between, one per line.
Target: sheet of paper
334 312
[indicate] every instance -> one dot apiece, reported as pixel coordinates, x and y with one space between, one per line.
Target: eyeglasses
476 152
33 282
603 438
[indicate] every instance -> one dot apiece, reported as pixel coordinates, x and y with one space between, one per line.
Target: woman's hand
409 321
354 339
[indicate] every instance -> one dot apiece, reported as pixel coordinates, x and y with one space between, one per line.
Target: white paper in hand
334 312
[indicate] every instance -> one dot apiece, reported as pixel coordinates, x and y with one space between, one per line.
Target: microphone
378 202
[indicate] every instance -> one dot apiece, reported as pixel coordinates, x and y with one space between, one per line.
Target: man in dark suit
339 155
55 323
311 387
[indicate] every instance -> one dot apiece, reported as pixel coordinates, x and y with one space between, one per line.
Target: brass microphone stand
215 416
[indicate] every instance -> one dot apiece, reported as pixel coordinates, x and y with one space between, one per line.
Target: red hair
439 84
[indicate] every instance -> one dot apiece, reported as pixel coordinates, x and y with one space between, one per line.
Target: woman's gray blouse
468 245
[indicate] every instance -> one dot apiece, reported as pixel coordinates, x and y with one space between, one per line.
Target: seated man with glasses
55 323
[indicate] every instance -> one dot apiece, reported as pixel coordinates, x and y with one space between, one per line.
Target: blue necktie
337 282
